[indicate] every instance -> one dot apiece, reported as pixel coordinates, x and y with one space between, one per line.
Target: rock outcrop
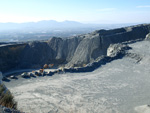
75 51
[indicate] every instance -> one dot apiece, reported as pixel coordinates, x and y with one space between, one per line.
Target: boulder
115 49
147 37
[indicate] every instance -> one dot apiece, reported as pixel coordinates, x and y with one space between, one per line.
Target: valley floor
117 87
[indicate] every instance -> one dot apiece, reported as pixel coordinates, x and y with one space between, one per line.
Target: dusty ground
117 87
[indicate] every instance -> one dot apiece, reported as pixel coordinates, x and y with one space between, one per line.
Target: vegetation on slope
6 98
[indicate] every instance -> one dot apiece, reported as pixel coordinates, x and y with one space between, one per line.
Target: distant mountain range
52 24
43 30
45 24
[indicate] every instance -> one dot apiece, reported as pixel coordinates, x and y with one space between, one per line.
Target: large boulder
115 49
147 37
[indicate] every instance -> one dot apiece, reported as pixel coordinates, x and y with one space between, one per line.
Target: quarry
105 71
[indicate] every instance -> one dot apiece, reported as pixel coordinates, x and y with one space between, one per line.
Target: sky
85 11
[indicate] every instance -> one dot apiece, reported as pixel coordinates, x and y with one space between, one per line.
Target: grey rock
135 56
10 56
119 52
115 49
35 55
147 37
4 109
88 50
74 51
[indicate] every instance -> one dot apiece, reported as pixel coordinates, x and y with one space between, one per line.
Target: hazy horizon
92 23
95 11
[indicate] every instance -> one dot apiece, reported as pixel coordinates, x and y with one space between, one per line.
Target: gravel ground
117 87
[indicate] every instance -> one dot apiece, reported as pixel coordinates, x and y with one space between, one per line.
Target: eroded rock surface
75 51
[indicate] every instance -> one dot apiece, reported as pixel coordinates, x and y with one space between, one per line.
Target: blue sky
86 11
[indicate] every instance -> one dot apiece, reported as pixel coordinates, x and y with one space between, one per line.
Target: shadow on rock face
5 79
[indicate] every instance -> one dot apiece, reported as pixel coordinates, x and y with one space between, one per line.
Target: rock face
74 51
96 44
55 51
10 56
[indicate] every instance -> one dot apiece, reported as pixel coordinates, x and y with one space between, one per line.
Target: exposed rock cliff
10 56
74 51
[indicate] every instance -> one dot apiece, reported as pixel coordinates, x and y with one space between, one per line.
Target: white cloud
106 9
144 6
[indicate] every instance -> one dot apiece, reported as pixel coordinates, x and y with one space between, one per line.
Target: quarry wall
73 51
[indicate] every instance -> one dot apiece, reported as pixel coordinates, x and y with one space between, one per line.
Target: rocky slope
74 51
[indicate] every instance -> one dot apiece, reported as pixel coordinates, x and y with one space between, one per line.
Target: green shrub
2 89
6 98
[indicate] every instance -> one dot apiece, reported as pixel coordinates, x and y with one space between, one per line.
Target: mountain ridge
44 24
51 24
